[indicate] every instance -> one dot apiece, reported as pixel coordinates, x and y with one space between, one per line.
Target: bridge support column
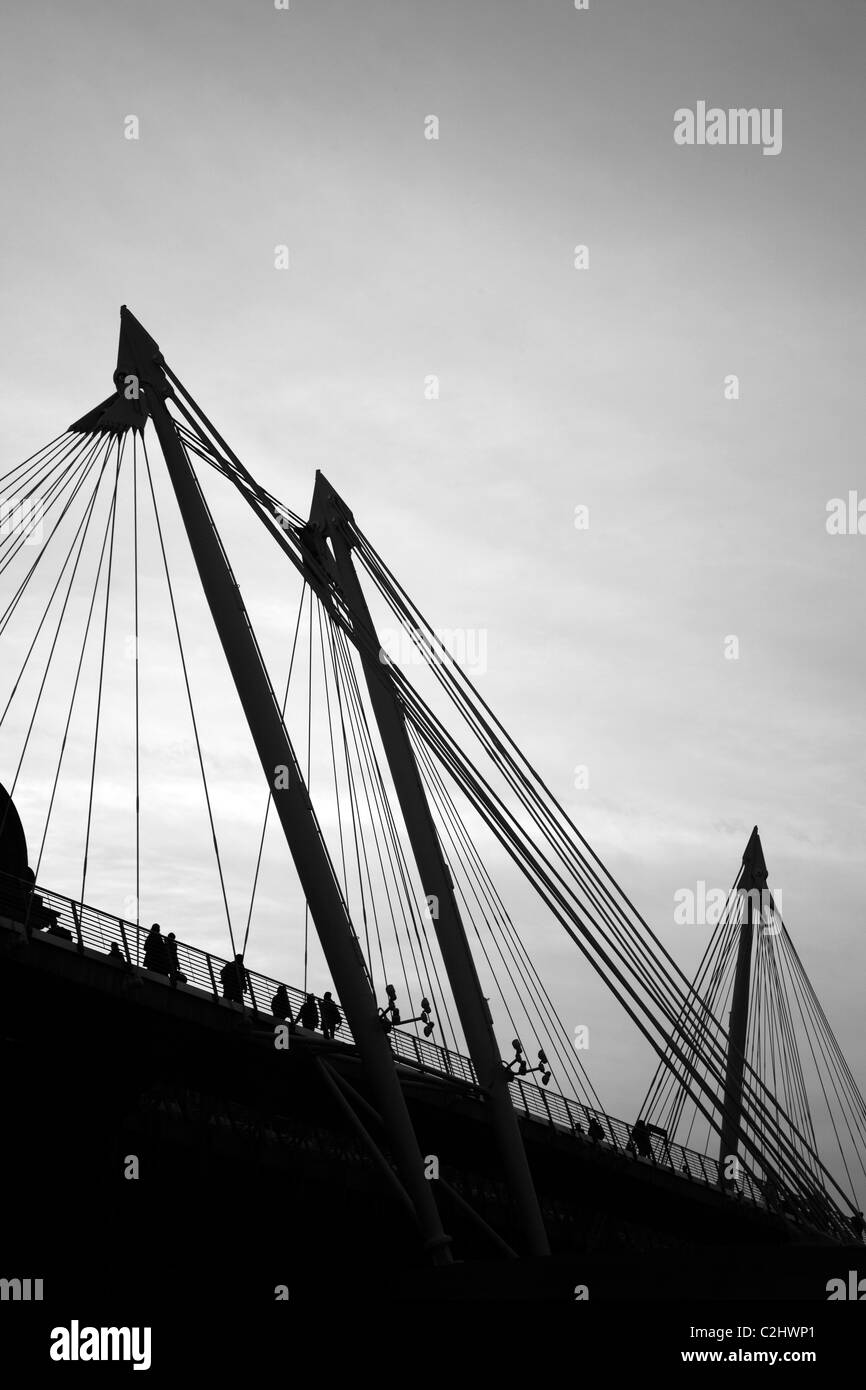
753 878
139 356
329 512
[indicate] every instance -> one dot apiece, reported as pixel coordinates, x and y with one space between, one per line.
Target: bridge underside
251 1169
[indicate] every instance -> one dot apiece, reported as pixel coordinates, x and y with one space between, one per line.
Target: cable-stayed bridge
392 853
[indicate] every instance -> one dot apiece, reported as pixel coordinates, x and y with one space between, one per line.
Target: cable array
473 775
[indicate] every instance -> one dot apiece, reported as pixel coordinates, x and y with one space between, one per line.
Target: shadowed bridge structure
476 1159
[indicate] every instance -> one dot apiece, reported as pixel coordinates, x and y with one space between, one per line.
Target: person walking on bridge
234 980
331 1016
175 974
281 1007
156 955
640 1142
308 1016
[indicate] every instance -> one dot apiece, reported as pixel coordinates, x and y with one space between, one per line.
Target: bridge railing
80 926
542 1104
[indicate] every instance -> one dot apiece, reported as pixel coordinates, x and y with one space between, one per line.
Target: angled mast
753 879
329 516
140 365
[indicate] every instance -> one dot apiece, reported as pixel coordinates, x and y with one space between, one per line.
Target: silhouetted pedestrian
594 1130
280 1005
175 973
234 980
309 1013
771 1191
640 1139
156 956
331 1016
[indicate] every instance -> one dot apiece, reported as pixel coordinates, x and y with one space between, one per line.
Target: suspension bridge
448 1115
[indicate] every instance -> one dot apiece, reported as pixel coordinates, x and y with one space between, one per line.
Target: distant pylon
753 878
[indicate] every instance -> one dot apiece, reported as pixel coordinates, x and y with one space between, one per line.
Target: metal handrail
89 928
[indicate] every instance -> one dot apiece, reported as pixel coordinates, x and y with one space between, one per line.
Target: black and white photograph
432 664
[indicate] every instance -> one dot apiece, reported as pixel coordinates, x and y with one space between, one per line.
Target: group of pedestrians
161 956
309 1014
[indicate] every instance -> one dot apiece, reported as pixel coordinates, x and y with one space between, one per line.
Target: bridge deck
92 930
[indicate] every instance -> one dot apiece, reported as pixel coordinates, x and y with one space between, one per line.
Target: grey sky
559 387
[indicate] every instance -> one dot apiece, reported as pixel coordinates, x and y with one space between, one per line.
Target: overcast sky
602 387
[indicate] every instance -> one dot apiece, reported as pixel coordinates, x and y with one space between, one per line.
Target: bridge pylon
140 360
752 880
331 518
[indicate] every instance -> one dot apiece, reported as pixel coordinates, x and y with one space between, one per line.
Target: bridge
386 860
90 931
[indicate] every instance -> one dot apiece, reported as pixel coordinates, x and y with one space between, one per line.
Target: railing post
28 930
124 940
77 922
543 1095
210 972
522 1097
252 992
